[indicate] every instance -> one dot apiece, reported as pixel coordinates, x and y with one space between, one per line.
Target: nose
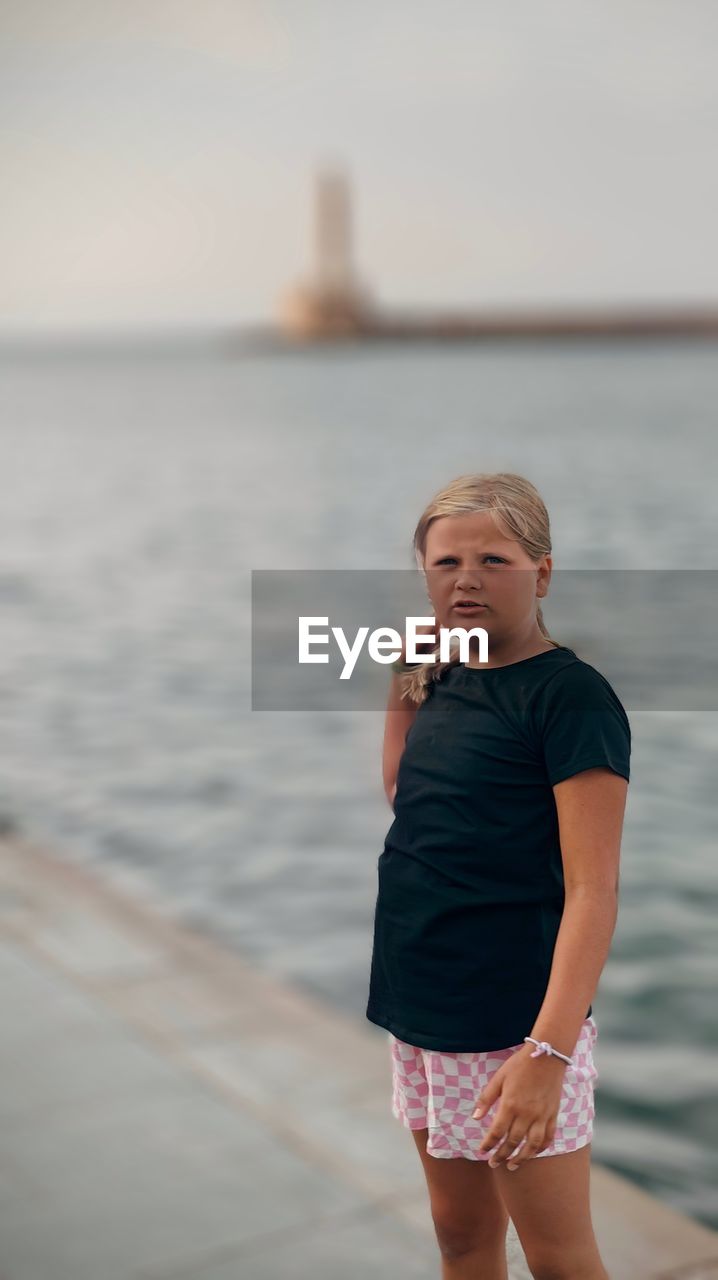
468 582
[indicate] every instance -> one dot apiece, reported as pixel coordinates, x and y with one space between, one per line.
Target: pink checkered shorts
438 1091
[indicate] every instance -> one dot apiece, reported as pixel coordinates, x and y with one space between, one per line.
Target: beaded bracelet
545 1047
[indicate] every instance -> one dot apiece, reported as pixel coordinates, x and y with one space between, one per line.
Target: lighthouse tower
332 303
333 232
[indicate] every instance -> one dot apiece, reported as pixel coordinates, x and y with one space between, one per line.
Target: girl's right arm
400 715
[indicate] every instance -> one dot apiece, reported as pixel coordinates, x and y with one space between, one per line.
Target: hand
529 1092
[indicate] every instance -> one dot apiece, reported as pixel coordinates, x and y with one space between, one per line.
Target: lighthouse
332 303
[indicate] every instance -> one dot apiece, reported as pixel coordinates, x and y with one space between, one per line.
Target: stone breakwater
169 1112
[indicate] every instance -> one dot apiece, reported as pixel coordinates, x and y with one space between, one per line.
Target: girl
497 895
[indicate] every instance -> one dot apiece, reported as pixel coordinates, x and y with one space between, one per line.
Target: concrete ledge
170 1112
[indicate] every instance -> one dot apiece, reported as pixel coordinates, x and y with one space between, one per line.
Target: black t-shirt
471 887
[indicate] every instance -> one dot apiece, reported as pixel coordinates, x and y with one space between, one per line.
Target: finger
534 1142
499 1130
493 1137
548 1136
484 1103
505 1150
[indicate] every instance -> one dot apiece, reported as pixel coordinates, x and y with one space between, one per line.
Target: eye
446 559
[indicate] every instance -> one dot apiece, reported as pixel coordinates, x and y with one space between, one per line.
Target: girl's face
466 558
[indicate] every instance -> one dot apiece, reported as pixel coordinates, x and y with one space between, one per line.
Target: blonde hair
518 512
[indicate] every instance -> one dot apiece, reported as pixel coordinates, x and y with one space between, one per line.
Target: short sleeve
582 724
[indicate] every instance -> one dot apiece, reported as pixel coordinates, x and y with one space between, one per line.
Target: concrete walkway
168 1113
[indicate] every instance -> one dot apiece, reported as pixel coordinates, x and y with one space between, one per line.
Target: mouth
468 606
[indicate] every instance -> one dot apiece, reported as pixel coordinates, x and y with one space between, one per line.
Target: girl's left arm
590 807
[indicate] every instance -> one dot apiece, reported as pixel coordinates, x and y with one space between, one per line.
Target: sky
158 156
